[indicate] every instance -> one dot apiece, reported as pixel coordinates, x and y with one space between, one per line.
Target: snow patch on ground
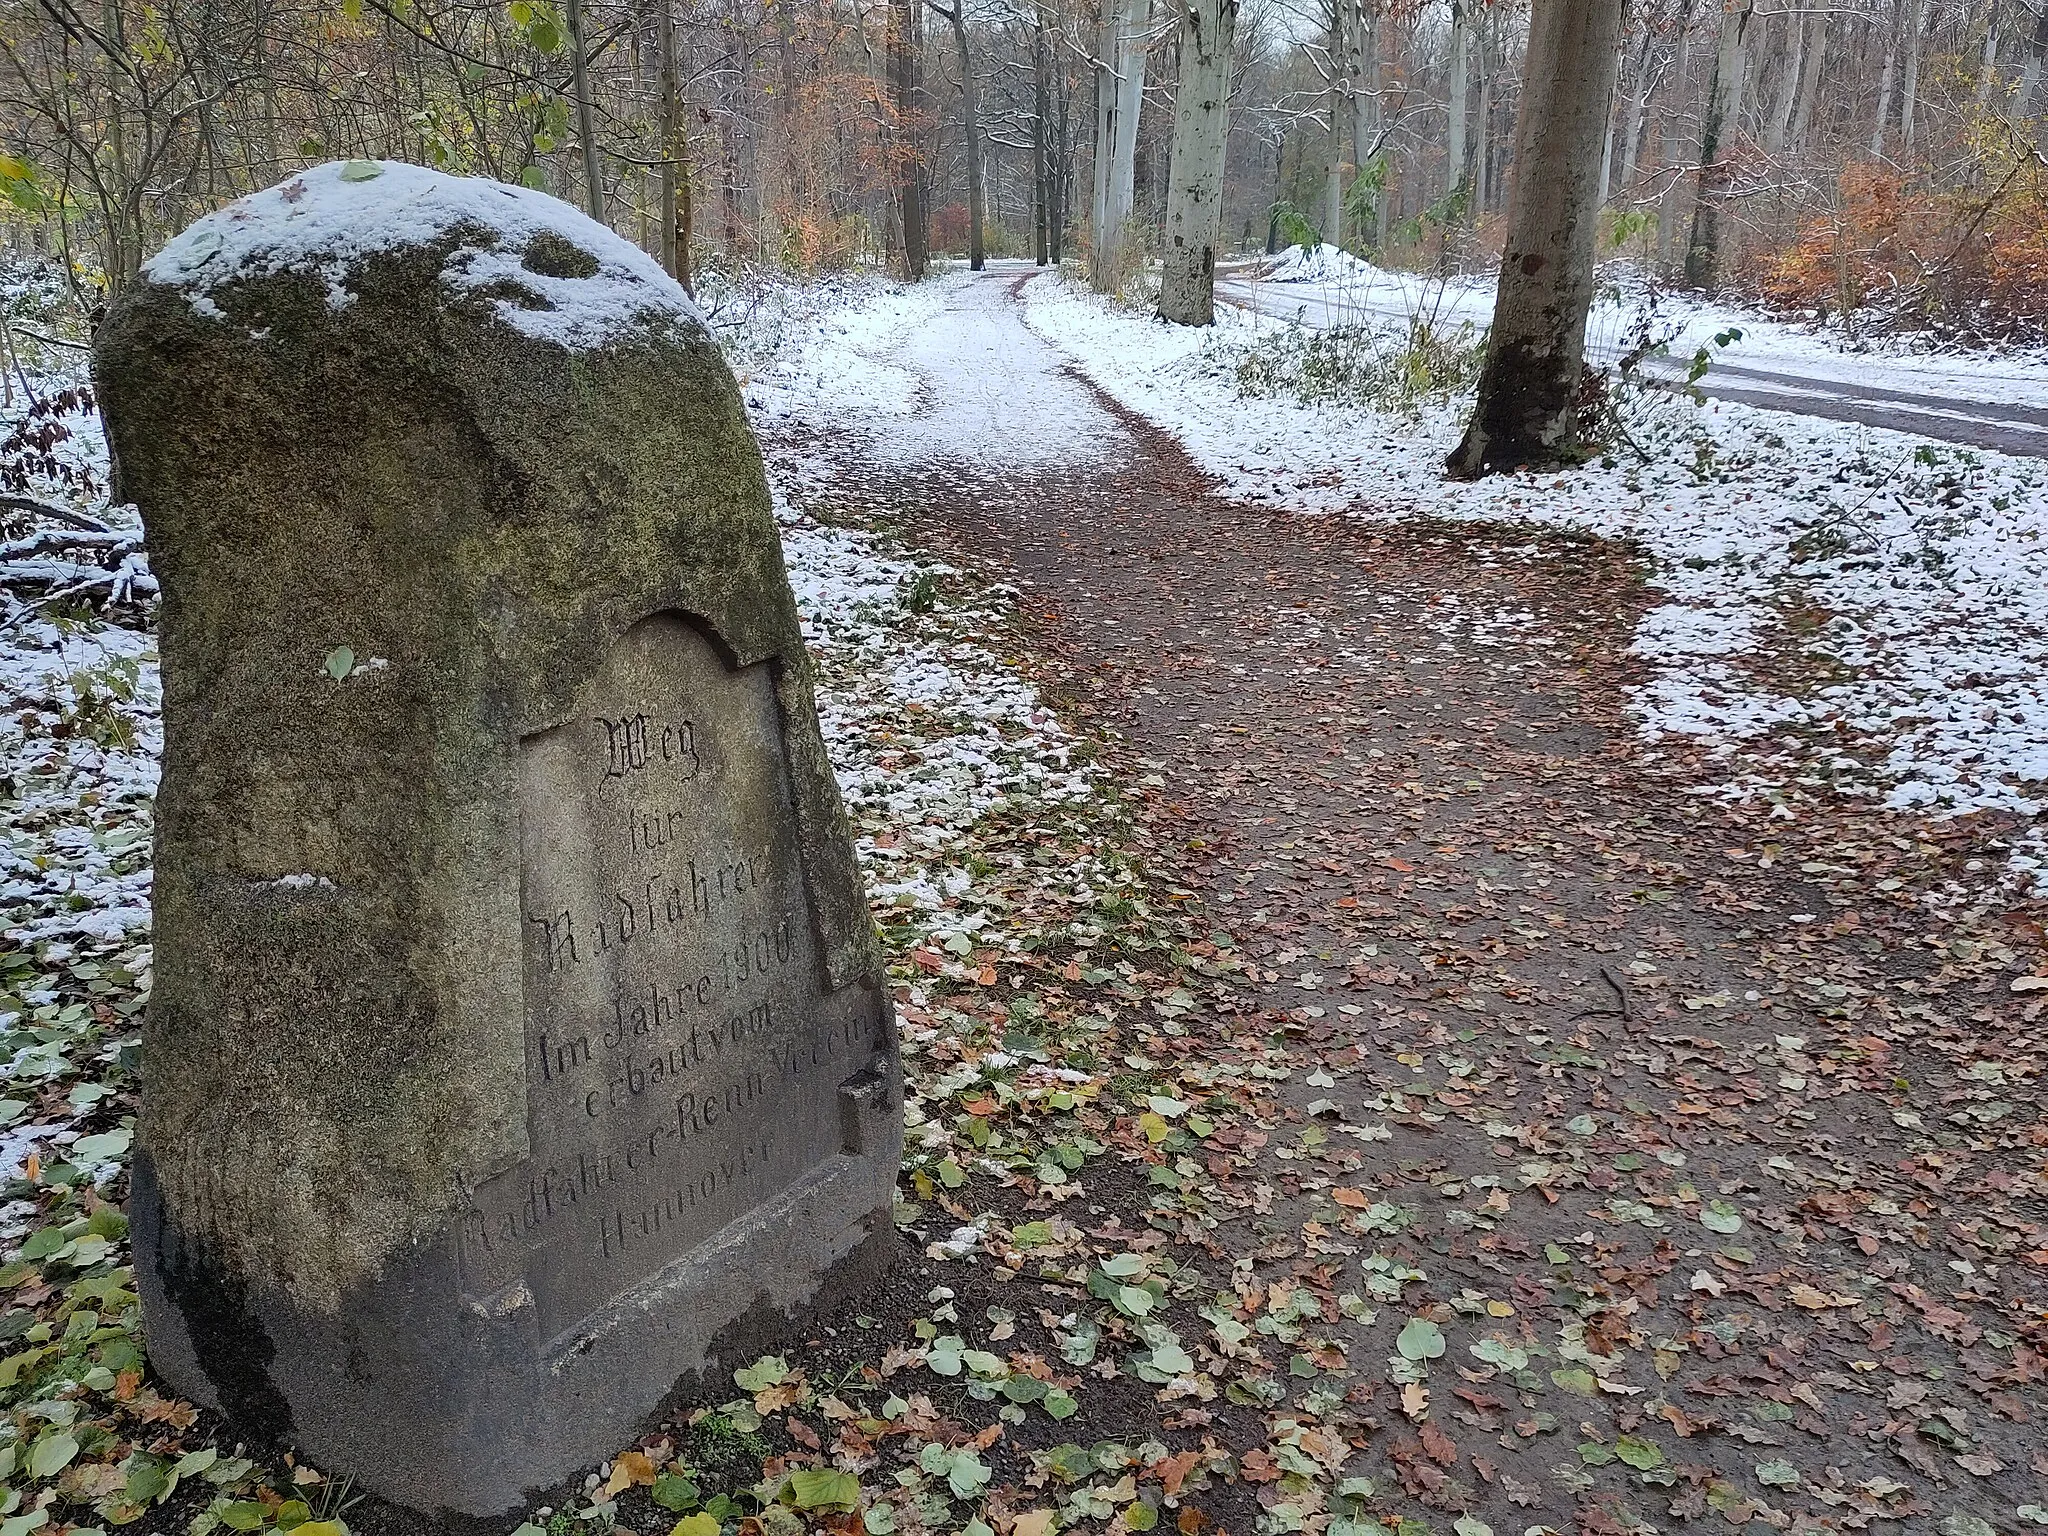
1905 582
926 381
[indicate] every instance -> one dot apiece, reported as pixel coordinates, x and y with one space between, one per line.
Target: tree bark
586 117
1461 68
970 128
1884 92
1535 352
1201 130
1120 95
906 164
1719 124
1362 68
1673 122
675 152
1809 85
1041 160
1780 128
1909 86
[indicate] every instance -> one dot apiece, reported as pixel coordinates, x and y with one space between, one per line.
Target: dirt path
1610 1158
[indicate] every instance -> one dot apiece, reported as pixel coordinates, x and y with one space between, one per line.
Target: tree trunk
1909 86
1482 175
1529 383
1120 94
1717 126
1884 91
1809 86
1362 68
970 129
586 117
1668 146
675 152
1638 109
1201 130
1987 75
906 167
1041 161
1461 67
1780 128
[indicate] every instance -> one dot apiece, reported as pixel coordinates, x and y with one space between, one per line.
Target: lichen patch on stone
552 273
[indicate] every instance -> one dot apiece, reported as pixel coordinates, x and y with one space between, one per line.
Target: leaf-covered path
1605 1157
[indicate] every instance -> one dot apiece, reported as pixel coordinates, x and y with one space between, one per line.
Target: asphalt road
1780 386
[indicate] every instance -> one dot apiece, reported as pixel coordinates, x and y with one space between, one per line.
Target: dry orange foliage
1974 260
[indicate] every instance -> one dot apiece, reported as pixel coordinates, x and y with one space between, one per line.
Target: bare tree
1201 121
1529 384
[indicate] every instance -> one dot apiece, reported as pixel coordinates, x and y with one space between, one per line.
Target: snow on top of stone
330 218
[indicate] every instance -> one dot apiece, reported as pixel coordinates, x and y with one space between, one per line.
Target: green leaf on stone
1471 1525
1777 1474
1581 1382
361 170
1594 1454
1140 1516
340 662
1420 1340
1132 1300
245 1515
1960 1524
1060 1404
1123 1266
700 1524
880 1520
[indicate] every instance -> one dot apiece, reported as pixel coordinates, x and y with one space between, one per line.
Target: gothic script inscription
683 1053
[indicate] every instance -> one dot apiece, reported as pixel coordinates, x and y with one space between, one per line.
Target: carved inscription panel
683 1054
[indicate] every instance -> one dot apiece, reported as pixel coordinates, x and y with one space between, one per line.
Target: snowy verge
1843 605
1337 287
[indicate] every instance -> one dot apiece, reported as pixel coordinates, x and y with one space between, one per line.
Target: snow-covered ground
1326 286
1905 580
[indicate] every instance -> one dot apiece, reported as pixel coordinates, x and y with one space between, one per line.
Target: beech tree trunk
1809 85
586 120
906 166
1461 72
1780 127
1041 161
1909 86
675 153
1362 71
1884 94
1119 97
970 130
1535 353
1201 129
1720 123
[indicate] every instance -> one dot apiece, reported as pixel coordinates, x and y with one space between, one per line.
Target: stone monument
518 1050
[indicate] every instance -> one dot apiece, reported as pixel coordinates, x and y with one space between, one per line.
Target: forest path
1688 1147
